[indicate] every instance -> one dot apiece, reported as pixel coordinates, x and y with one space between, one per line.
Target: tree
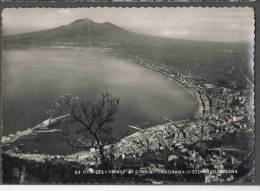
93 117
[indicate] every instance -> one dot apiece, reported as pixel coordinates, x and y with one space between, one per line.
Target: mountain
78 32
211 61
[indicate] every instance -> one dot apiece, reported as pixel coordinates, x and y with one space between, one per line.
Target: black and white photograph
128 95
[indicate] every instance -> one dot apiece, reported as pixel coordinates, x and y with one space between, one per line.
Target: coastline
48 122
186 132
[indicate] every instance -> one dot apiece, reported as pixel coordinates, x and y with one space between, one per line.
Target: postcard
110 95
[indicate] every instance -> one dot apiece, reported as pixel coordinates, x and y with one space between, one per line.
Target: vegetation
94 119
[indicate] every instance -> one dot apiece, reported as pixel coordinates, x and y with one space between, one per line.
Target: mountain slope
78 32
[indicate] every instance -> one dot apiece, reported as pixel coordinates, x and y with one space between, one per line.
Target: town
203 143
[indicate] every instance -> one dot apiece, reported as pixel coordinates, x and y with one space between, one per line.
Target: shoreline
211 115
48 122
191 90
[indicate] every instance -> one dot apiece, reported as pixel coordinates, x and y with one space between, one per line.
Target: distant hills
77 33
210 61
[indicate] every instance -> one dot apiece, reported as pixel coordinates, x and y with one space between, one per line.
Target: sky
207 24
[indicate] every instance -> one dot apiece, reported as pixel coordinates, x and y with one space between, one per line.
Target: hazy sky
214 24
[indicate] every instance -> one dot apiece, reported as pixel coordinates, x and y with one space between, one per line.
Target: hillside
215 62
